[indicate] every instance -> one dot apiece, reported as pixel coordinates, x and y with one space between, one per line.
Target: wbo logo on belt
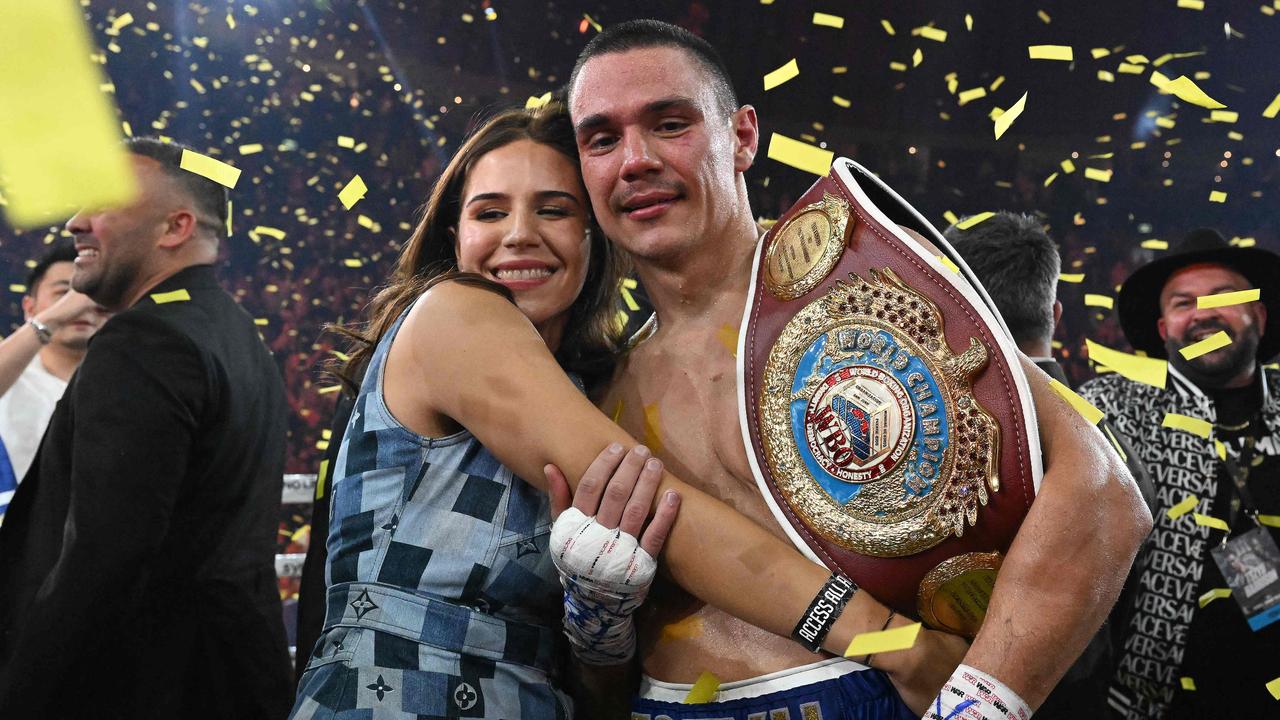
889 424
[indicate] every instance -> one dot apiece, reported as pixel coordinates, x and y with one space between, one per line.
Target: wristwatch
43 333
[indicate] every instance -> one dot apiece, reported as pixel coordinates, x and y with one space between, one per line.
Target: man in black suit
136 559
1018 265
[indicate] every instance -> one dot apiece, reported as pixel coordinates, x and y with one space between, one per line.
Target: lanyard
1238 471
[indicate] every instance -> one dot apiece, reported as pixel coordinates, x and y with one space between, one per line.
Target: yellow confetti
1044 16
888 27
1048 181
1220 449
825 20
1186 89
799 155
949 263
1051 52
1211 521
1068 167
260 321
625 288
1191 4
898 66
1188 683
1071 277
1269 520
1124 457
1097 174
352 192
973 220
968 21
1150 371
1210 596
1215 341
323 474
652 428
537 101
875 643
1217 196
1273 687
1175 56
933 33
276 233
995 84
839 69
1130 69
1224 116
1193 425
353 262
1007 117
704 689
250 148
617 411
781 75
1229 298
1082 406
346 142
1154 244
1186 505
950 217
842 102
592 22
689 627
1273 109
728 335
1166 123
56 160
179 295
205 166
917 57
1099 53
970 95
1096 300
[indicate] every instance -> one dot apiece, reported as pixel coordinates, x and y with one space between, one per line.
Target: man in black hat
1210 438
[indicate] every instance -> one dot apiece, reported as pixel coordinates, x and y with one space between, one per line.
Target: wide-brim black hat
1138 304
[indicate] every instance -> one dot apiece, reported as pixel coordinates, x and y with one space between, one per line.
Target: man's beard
107 285
1215 369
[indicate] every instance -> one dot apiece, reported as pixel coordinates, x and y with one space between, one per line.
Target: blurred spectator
37 361
136 566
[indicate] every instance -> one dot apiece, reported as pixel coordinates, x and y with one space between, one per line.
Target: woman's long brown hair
590 338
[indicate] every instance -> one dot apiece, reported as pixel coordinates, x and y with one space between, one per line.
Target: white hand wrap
606 576
971 694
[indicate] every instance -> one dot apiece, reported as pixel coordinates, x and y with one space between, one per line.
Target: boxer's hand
919 673
605 570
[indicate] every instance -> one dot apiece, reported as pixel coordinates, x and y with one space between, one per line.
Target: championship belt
887 419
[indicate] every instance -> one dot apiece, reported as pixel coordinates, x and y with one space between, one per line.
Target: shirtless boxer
664 146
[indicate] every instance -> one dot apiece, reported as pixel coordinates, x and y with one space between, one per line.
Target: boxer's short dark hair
641 34
210 197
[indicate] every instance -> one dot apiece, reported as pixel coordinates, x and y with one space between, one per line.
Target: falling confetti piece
973 220
1229 298
933 33
917 57
1149 371
1186 89
1098 174
1124 457
1224 116
251 148
1049 180
1154 244
781 75
1269 520
346 142
825 20
1217 196
1096 300
179 295
1205 599
968 21
799 155
1050 52
1186 423
970 95
1044 16
537 101
1082 406
1186 505
1191 4
1188 683
948 263
214 169
1071 277
888 27
353 262
1273 109
1211 521
875 643
1220 449
842 102
1214 342
55 160
704 689
1068 167
1007 117
352 192
1273 687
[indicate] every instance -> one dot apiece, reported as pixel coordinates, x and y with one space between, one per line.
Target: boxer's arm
1069 559
481 363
